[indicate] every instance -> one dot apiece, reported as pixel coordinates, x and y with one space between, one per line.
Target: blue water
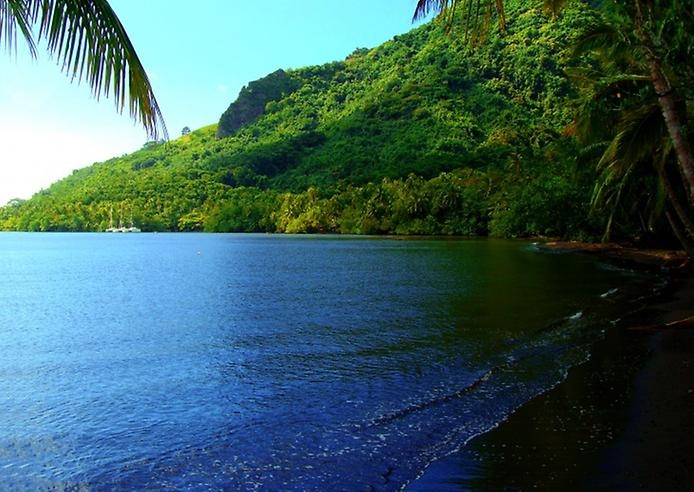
255 362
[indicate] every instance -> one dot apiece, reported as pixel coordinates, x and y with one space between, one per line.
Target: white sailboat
111 228
121 227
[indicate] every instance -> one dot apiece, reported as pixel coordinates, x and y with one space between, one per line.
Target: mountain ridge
369 144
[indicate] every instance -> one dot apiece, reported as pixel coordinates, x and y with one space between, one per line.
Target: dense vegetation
421 135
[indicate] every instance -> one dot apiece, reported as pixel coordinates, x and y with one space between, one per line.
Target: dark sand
622 421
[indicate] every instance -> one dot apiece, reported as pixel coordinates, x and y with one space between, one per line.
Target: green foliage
253 99
640 189
417 136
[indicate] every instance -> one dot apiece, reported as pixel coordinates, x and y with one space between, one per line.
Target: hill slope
418 135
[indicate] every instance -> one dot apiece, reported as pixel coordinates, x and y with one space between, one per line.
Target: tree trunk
686 244
675 126
675 122
681 212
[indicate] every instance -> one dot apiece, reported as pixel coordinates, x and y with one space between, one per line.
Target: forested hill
417 136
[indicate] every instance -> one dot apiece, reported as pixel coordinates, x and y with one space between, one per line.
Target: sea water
262 362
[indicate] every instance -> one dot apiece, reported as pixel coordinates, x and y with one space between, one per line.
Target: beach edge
648 445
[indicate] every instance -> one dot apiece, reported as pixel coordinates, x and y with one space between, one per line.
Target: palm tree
90 43
656 29
620 112
636 170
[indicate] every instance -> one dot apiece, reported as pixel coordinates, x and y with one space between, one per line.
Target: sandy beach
621 421
656 450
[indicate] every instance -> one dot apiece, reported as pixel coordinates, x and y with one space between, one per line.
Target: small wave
418 407
568 322
609 293
506 413
560 324
534 247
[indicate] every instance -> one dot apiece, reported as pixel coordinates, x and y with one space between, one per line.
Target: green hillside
417 136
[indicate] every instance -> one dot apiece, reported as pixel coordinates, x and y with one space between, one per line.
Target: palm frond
628 181
90 43
640 137
425 7
476 15
15 16
601 38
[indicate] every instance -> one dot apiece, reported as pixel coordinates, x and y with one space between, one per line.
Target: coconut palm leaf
610 45
641 135
13 16
475 14
90 43
633 170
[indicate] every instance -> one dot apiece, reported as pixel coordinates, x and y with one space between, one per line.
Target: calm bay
264 362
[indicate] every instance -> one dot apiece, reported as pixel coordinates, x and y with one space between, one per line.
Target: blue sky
198 56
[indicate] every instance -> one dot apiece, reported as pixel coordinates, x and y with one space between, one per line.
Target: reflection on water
275 362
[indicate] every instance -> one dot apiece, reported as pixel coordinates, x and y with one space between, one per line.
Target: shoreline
620 421
625 255
656 449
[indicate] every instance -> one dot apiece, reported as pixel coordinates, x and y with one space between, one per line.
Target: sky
198 56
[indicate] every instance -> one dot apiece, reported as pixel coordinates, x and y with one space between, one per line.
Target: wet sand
622 421
656 449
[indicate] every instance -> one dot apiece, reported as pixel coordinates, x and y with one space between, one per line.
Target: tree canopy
637 41
420 135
